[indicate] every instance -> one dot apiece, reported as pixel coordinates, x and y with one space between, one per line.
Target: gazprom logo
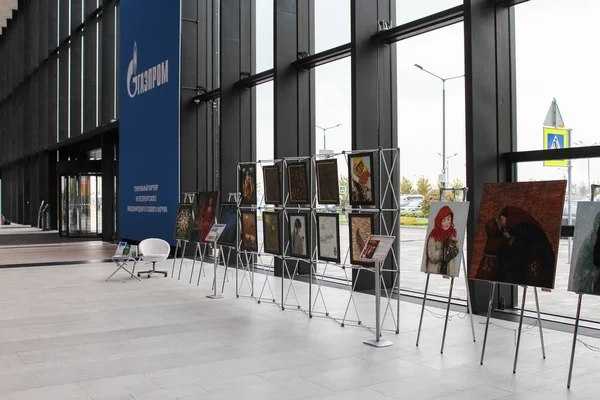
147 80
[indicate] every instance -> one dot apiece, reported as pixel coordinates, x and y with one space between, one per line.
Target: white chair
154 250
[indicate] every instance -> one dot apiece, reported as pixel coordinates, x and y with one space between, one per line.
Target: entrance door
81 205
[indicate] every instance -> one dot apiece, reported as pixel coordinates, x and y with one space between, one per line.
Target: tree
423 186
458 184
406 187
431 196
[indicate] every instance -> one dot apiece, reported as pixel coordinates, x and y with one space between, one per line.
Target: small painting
585 260
361 228
518 233
327 182
183 222
204 214
272 178
249 231
228 217
271 232
328 233
299 238
298 183
442 253
247 184
361 178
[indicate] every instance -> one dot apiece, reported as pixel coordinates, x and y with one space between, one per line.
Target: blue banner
149 98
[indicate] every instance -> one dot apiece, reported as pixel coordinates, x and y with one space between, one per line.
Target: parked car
411 202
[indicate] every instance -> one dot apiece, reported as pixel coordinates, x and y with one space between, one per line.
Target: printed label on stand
377 248
215 232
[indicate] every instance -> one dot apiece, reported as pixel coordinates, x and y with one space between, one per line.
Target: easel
188 197
378 342
464 264
580 297
539 320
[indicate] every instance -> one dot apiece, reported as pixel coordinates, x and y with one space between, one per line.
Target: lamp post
446 169
443 111
325 132
580 143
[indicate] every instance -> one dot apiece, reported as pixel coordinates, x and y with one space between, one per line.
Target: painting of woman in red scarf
443 245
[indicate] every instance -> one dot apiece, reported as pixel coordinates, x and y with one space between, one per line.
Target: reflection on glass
409 10
332 24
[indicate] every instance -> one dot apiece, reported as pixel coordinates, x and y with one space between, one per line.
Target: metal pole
447 313
182 257
194 262
487 322
216 263
570 168
175 258
537 306
469 308
444 126
423 308
574 341
378 342
519 332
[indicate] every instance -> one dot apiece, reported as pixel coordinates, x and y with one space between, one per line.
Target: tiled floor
66 333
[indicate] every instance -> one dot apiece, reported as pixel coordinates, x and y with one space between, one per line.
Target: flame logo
131 72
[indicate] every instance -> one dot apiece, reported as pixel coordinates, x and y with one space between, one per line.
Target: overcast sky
556 57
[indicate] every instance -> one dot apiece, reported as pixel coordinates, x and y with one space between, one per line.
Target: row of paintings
360 172
195 219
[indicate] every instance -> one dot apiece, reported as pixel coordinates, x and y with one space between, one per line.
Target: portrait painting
299 239
327 182
360 179
328 234
271 232
272 179
361 228
249 231
584 277
183 222
298 186
204 214
445 238
229 218
247 181
518 233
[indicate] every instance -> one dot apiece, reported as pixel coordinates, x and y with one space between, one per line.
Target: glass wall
332 24
409 10
264 36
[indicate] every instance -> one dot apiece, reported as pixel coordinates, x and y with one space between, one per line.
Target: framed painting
584 277
360 179
516 239
272 179
204 214
183 222
361 228
249 231
327 182
271 233
298 185
228 217
328 234
247 182
299 231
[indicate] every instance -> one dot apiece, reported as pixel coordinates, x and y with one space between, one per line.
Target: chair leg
152 271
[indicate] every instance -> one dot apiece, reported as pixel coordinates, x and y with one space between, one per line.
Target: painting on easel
584 277
518 233
442 253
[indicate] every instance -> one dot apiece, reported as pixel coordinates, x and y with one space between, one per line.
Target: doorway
81 205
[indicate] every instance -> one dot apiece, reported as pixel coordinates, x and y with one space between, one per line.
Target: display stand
188 197
593 189
200 250
378 342
225 262
464 191
539 321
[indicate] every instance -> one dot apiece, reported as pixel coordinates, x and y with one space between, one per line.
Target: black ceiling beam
432 22
572 153
324 57
75 140
255 80
207 96
509 3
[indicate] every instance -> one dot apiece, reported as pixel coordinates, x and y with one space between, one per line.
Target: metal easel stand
284 303
216 255
175 257
226 263
245 261
202 254
574 339
196 251
266 282
378 342
185 242
188 197
539 320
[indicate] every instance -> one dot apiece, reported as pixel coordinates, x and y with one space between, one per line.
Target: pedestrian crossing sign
555 138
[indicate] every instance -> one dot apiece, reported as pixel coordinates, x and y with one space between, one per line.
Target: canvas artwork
361 178
229 218
271 232
247 184
272 178
249 232
299 238
445 238
328 234
183 222
298 183
518 233
361 228
584 277
204 214
327 182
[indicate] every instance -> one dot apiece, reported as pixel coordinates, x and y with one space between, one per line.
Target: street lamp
446 169
579 142
443 111
324 134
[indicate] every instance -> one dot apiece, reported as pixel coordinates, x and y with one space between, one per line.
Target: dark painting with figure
204 214
361 228
272 178
298 183
299 238
271 232
183 222
247 182
584 276
228 217
249 231
518 233
360 179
